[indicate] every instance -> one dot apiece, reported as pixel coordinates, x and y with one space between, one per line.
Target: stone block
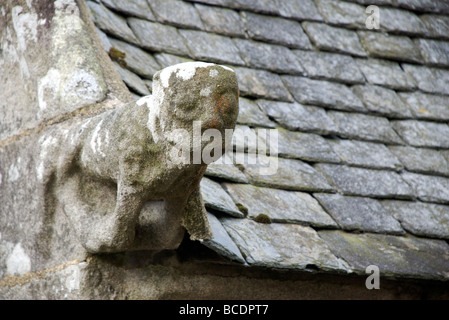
221 20
423 134
342 13
421 160
186 15
251 114
428 188
427 106
217 199
136 8
434 52
431 80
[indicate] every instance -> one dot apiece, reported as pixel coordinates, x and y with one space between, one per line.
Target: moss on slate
262 218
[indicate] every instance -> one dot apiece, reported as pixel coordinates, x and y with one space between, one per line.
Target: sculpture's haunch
115 163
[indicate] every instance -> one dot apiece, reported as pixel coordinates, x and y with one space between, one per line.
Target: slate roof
362 116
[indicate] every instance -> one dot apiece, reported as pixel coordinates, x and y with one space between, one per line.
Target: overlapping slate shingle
186 14
427 106
435 52
216 198
423 134
221 20
432 80
421 160
428 188
137 8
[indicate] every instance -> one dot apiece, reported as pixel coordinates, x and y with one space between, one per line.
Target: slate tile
224 168
382 101
221 241
383 45
365 154
421 160
136 8
428 188
331 66
427 106
275 30
216 198
385 73
268 56
166 59
360 214
211 47
110 22
133 81
305 146
158 37
263 6
364 127
440 6
282 173
104 39
421 219
299 10
295 116
280 205
330 38
393 255
323 93
423 134
245 139
435 52
221 20
282 245
175 12
261 84
251 114
366 182
137 60
437 25
432 80
401 21
342 13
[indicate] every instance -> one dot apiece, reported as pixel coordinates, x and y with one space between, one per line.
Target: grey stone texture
330 66
251 114
427 106
359 214
166 59
342 13
299 10
365 154
364 127
295 116
280 205
330 38
133 81
186 14
437 25
434 52
224 168
367 182
259 244
406 256
137 8
217 199
432 80
323 93
383 101
421 219
158 37
428 188
221 20
401 21
275 30
423 134
421 160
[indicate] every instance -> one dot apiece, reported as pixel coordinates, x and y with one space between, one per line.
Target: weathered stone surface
261 84
110 22
421 160
137 8
221 20
421 219
435 52
186 14
423 134
382 101
432 80
334 39
211 47
384 45
427 106
439 6
245 139
217 199
276 30
428 188
282 173
342 13
305 146
165 59
332 66
323 93
365 154
137 60
281 245
393 255
385 73
268 56
361 214
104 39
264 6
158 37
364 127
251 114
366 182
295 116
225 169
133 81
437 25
221 241
280 205
299 10
401 21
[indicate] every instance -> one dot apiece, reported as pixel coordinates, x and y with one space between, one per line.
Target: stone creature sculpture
106 171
